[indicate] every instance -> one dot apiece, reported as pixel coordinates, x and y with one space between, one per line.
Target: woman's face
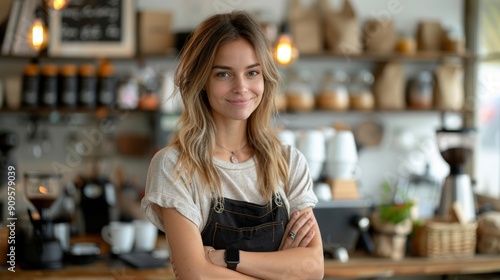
235 85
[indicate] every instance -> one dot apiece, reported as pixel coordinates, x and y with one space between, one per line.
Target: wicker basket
438 238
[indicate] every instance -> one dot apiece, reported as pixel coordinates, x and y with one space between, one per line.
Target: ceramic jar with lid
420 91
299 92
333 94
360 91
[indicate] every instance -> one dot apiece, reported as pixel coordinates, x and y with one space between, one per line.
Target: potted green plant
392 223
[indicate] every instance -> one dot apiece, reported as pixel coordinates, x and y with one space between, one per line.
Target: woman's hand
300 224
215 257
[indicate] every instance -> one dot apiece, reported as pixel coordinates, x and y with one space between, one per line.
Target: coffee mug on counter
145 235
120 236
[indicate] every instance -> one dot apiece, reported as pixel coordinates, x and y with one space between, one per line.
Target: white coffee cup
145 235
120 236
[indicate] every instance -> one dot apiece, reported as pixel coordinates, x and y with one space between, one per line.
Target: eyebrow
230 68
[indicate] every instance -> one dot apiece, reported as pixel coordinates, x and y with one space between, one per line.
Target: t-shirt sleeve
300 193
164 188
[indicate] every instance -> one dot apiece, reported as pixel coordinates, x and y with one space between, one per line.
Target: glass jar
68 87
48 94
360 91
333 94
420 91
107 85
31 85
88 86
299 92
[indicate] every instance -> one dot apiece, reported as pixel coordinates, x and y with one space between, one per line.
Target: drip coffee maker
43 250
456 148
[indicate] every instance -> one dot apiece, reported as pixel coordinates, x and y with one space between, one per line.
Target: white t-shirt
239 182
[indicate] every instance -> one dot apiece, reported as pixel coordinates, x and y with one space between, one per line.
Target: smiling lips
239 102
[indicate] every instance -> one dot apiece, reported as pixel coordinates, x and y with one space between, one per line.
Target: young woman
234 202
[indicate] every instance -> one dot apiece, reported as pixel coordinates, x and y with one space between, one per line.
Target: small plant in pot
392 223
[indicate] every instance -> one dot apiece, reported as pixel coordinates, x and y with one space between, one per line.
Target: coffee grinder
456 148
43 250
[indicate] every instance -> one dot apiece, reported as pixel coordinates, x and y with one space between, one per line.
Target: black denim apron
246 226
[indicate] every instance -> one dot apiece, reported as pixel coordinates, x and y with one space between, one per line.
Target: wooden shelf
367 56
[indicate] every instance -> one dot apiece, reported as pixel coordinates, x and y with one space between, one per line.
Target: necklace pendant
234 159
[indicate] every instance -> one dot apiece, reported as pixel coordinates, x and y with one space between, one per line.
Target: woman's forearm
295 263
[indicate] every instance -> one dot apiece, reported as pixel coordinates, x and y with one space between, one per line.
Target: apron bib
246 226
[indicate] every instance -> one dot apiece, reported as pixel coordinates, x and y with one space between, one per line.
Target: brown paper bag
389 86
306 27
379 35
341 28
449 87
154 32
429 36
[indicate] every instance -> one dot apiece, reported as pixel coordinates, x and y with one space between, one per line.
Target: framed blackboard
93 28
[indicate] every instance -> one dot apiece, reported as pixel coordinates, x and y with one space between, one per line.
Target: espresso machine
456 147
42 250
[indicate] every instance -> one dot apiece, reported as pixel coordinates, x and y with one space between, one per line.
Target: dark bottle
31 85
48 93
107 85
87 86
68 85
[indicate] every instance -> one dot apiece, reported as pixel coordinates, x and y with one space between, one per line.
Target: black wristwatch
232 258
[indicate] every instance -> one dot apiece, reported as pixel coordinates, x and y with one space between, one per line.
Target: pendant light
56 4
285 52
38 36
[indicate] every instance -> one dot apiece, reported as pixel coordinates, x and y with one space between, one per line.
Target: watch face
233 256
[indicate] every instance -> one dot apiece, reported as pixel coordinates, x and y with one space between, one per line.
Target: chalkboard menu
92 21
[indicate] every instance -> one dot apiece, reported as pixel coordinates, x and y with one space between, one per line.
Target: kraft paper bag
341 28
379 36
155 32
305 26
389 86
429 36
449 87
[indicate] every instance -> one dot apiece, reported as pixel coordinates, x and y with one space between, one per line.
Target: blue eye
253 73
222 74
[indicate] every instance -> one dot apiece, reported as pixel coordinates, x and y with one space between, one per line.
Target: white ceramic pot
312 144
342 147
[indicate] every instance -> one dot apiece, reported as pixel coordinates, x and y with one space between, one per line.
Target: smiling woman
233 201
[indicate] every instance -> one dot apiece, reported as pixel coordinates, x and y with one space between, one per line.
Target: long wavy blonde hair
195 138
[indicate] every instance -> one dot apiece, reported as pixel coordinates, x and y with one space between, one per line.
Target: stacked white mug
312 144
342 156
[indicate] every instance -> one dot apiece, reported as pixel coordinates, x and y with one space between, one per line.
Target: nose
240 85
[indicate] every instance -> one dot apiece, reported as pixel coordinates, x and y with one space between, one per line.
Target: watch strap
232 258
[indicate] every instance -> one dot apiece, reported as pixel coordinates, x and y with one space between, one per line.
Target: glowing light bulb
285 52
57 4
38 35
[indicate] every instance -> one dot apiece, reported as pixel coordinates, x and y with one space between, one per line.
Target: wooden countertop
356 267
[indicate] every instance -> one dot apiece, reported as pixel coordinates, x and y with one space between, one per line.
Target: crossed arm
301 258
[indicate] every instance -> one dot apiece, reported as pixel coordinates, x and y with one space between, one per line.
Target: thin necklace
233 157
